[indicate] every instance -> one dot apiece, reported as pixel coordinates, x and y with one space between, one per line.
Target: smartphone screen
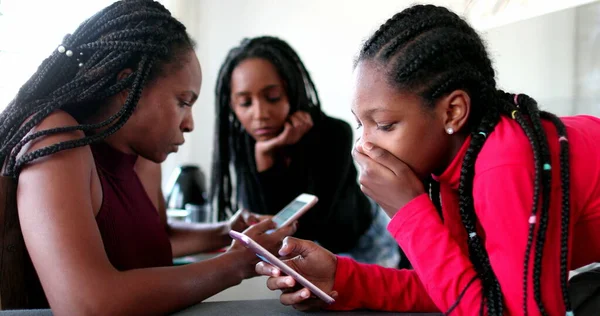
288 212
292 212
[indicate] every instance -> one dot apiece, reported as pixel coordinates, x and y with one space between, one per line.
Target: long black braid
231 143
431 51
82 73
566 204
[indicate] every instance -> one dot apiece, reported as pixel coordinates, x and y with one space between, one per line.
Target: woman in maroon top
119 88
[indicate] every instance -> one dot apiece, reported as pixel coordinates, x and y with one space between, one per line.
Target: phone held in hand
295 209
266 256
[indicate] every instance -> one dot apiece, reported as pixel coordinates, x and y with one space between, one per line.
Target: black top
321 164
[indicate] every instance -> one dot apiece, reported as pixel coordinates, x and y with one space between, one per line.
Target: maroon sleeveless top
131 229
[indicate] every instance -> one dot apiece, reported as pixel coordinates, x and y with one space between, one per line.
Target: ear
123 74
456 108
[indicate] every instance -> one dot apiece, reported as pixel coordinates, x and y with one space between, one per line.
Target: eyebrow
242 93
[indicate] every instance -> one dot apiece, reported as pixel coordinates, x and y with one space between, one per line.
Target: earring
450 130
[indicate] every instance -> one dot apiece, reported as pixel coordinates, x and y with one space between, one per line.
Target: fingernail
304 294
289 281
283 246
368 145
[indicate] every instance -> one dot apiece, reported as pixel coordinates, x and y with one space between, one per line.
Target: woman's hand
385 178
243 219
270 241
314 262
295 128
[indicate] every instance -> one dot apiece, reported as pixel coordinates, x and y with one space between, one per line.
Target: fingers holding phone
268 235
254 231
314 263
286 222
271 241
243 219
268 257
272 238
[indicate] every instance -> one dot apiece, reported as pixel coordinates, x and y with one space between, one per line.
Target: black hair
231 143
81 74
432 52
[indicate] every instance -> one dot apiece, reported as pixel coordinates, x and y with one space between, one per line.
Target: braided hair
431 51
232 145
81 75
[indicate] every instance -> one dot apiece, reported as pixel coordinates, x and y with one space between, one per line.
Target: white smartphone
295 209
266 256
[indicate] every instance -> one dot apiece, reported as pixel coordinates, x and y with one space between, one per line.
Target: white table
250 289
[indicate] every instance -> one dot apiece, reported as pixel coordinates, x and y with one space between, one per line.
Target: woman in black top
271 129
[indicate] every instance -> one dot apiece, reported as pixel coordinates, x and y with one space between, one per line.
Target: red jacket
503 196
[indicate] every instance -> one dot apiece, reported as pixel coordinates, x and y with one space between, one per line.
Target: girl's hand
271 242
385 178
295 128
312 261
243 219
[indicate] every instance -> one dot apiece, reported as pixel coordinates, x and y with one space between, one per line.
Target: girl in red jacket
493 200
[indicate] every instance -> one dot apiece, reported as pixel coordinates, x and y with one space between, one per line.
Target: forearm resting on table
192 238
154 291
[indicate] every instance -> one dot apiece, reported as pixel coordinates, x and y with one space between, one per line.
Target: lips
265 131
176 147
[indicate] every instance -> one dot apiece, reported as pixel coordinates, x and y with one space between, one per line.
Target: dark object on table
187 195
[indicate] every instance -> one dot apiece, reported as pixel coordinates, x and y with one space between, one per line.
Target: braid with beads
82 73
231 143
431 51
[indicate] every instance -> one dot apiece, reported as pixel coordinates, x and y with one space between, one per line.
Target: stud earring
450 130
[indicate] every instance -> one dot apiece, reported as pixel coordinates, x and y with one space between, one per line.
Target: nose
358 141
261 111
187 125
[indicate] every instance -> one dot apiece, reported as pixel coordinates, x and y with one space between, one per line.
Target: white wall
488 14
24 45
535 56
325 34
587 71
